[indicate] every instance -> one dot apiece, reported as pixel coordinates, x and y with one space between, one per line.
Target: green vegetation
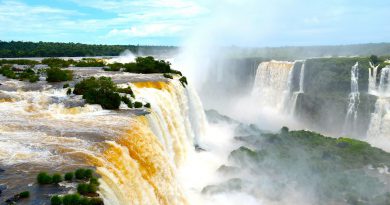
15 49
71 199
77 199
57 62
15 199
137 104
18 61
334 75
44 178
183 81
66 85
167 75
57 178
27 74
58 75
380 62
108 99
375 60
114 67
145 65
94 180
147 105
335 168
103 83
89 62
126 90
100 91
127 101
327 84
83 174
24 194
104 92
8 72
87 189
69 176
56 200
88 173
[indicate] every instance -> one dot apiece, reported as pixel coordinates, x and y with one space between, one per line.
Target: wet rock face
3 187
323 105
69 102
234 184
4 96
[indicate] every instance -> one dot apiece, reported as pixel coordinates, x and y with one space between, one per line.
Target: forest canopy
17 49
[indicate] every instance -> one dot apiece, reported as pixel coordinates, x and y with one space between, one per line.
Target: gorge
175 152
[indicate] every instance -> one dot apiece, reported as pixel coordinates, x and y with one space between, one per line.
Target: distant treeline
17 49
305 52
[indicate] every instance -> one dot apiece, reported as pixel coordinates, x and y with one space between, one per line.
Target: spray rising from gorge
184 102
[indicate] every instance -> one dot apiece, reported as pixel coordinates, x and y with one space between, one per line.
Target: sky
175 22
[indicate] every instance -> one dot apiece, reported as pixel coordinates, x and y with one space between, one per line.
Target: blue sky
174 22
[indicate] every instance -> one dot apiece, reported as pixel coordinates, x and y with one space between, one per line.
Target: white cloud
11 8
241 22
19 17
168 8
149 30
147 18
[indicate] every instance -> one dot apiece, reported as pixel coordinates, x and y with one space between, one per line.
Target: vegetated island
102 90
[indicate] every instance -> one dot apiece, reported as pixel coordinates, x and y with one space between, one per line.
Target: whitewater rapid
271 86
354 100
379 130
137 156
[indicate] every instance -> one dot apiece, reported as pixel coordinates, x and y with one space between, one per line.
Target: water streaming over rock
372 79
136 156
354 100
379 128
272 84
278 85
157 144
293 101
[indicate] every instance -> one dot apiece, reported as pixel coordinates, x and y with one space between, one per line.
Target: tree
374 59
100 91
58 75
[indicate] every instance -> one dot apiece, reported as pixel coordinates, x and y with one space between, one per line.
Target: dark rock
231 185
198 148
228 170
342 144
3 187
13 199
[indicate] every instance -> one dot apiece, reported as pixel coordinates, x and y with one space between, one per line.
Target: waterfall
272 84
136 156
294 98
354 100
379 128
154 147
372 78
384 85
